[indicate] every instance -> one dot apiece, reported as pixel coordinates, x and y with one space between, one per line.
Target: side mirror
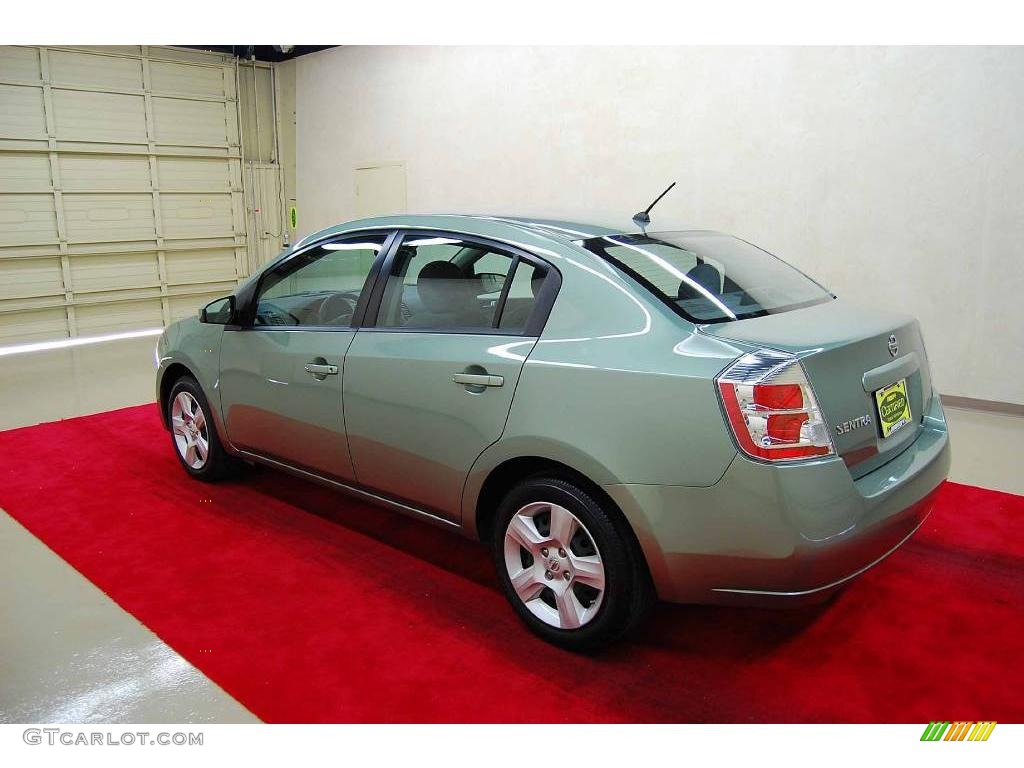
491 281
218 311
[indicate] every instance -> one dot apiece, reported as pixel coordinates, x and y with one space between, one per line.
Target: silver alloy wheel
554 565
191 435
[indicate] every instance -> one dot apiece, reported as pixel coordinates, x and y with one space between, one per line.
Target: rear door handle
478 379
321 370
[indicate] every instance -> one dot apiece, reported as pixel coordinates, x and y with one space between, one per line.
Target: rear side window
522 296
450 284
708 277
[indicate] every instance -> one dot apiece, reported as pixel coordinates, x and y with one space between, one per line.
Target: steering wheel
337 309
271 314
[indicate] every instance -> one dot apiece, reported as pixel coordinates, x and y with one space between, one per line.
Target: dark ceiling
262 52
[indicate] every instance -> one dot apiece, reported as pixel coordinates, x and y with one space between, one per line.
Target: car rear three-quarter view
619 416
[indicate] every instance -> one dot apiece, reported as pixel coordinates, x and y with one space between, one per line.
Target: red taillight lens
786 428
771 408
778 396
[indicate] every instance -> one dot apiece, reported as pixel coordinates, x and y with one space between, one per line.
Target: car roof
569 230
483 225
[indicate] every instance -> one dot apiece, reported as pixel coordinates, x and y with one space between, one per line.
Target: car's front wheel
569 569
193 433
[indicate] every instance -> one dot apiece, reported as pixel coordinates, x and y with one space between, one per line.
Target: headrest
442 286
706 276
440 270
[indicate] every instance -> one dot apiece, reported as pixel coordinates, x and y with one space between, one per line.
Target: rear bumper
768 534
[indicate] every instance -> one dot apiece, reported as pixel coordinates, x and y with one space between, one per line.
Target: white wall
893 175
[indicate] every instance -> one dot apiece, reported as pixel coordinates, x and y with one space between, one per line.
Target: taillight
771 408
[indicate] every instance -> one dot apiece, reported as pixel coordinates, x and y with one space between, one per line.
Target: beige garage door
121 203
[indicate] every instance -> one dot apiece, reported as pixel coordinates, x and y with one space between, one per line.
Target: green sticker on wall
293 217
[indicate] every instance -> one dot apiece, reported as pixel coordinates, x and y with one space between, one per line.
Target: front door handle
317 369
478 379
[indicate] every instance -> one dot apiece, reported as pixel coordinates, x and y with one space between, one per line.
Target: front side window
320 287
446 283
709 277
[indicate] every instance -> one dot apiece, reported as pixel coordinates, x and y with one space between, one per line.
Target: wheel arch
508 473
173 373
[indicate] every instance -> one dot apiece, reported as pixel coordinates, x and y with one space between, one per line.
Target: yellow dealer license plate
893 407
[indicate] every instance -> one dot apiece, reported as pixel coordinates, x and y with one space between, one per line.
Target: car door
429 379
281 371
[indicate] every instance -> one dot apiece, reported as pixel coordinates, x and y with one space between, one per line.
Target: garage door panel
24 278
27 219
22 116
114 271
196 215
124 50
200 266
18 63
191 174
168 77
24 172
189 56
104 173
200 244
119 316
36 325
95 71
91 116
180 121
189 306
98 218
145 245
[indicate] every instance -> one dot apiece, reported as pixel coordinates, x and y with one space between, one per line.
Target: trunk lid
846 353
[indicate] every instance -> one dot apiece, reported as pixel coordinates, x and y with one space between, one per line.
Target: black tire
218 464
628 593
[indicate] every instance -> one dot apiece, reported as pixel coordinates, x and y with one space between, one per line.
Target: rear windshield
708 277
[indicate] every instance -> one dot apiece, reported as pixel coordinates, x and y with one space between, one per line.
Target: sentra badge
852 424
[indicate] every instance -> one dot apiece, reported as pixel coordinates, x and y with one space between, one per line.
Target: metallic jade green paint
274 408
617 387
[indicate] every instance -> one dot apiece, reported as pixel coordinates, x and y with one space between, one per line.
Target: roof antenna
642 219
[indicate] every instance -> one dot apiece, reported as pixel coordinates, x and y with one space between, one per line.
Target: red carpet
308 606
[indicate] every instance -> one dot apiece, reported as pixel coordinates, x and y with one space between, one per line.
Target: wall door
379 190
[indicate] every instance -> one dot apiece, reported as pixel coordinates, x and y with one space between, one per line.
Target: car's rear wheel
568 567
193 433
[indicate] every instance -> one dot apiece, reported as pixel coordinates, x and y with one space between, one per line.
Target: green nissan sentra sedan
619 416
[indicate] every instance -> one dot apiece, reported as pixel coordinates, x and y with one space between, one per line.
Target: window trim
499 310
545 300
247 314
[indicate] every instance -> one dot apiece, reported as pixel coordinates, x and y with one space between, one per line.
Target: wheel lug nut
567 575
549 575
561 552
543 551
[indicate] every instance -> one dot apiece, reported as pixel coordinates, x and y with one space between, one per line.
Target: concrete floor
69 654
62 383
